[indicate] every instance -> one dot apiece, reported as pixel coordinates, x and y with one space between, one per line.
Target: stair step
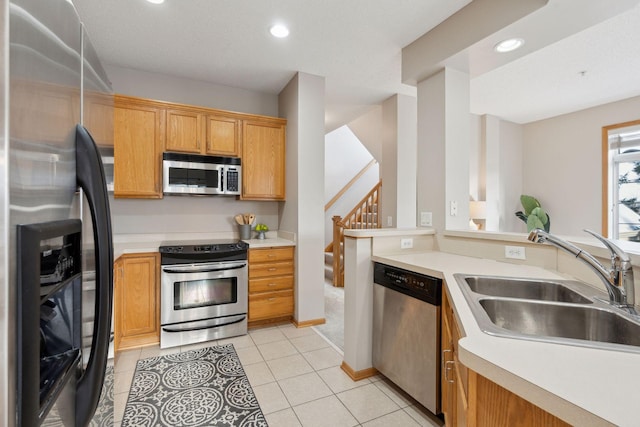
328 272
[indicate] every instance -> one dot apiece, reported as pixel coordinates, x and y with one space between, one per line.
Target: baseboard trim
358 375
307 323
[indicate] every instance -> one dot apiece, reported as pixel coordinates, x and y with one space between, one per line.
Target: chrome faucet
618 279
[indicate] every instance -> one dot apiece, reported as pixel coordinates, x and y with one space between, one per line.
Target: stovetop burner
207 251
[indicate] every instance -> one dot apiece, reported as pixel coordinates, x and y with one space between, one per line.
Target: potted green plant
534 216
261 229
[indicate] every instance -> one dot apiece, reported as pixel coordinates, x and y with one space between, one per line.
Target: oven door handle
199 328
201 270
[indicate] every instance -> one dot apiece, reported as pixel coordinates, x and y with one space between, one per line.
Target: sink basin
544 290
562 321
554 311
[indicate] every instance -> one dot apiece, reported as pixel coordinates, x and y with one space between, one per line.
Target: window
621 197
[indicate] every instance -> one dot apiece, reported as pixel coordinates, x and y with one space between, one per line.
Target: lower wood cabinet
271 278
469 399
137 300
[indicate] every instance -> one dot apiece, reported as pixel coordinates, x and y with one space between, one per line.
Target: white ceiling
357 44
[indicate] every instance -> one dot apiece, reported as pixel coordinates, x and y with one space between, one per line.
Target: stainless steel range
204 292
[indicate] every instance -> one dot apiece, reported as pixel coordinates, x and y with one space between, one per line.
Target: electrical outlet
426 219
514 252
389 221
406 243
454 208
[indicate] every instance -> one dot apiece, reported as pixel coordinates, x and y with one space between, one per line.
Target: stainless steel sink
576 322
510 287
560 311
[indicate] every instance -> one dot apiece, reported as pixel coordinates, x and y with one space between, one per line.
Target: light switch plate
426 219
389 221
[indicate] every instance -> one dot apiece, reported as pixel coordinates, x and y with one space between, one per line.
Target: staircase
363 216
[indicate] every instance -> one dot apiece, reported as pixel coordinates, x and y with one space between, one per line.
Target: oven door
203 291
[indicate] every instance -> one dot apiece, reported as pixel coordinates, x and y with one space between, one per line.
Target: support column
301 102
444 128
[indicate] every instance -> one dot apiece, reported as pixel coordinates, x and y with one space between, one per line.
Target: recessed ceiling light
279 31
156 1
508 45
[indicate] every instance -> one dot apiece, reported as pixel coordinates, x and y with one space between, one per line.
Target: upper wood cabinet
184 131
144 129
98 117
263 159
138 140
223 135
200 132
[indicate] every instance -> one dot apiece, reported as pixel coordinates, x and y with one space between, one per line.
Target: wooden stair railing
366 214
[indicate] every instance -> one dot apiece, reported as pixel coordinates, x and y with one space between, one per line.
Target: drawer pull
272 269
271 299
272 284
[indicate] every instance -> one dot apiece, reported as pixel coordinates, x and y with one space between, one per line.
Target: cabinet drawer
271 254
270 284
270 304
270 269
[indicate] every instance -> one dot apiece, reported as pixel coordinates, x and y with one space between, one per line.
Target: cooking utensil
246 218
252 217
239 219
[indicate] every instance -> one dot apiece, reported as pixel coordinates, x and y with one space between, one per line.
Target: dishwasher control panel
421 286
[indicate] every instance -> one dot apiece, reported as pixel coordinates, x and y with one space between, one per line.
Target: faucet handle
616 252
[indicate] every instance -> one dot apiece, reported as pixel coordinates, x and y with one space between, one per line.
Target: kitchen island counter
584 386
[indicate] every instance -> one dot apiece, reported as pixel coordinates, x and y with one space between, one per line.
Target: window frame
607 172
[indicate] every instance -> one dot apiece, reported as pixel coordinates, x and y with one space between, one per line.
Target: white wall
399 163
431 149
302 103
348 157
562 164
368 129
511 162
162 87
175 214
389 162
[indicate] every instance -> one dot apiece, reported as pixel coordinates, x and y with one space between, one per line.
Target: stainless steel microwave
191 174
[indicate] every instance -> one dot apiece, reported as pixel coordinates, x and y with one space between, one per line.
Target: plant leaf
534 222
529 203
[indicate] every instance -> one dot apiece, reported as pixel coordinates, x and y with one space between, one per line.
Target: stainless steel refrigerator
54 216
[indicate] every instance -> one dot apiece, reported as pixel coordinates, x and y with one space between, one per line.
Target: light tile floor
296 376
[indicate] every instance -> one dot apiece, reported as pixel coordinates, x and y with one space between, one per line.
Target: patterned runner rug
204 387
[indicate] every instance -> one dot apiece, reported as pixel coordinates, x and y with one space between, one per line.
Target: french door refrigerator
54 216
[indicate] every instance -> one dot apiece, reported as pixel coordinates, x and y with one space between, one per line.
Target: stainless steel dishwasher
406 332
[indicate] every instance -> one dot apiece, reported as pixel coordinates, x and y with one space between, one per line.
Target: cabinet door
184 131
447 381
137 151
223 136
98 117
137 301
263 160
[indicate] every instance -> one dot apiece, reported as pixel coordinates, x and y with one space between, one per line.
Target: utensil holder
245 231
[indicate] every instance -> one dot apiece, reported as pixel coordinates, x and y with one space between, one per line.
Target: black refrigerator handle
90 176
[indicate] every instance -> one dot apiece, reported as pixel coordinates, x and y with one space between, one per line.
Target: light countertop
584 386
140 243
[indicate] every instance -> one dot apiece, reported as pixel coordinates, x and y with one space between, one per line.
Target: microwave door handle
201 270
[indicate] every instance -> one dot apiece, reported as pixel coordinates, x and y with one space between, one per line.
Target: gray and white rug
204 387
